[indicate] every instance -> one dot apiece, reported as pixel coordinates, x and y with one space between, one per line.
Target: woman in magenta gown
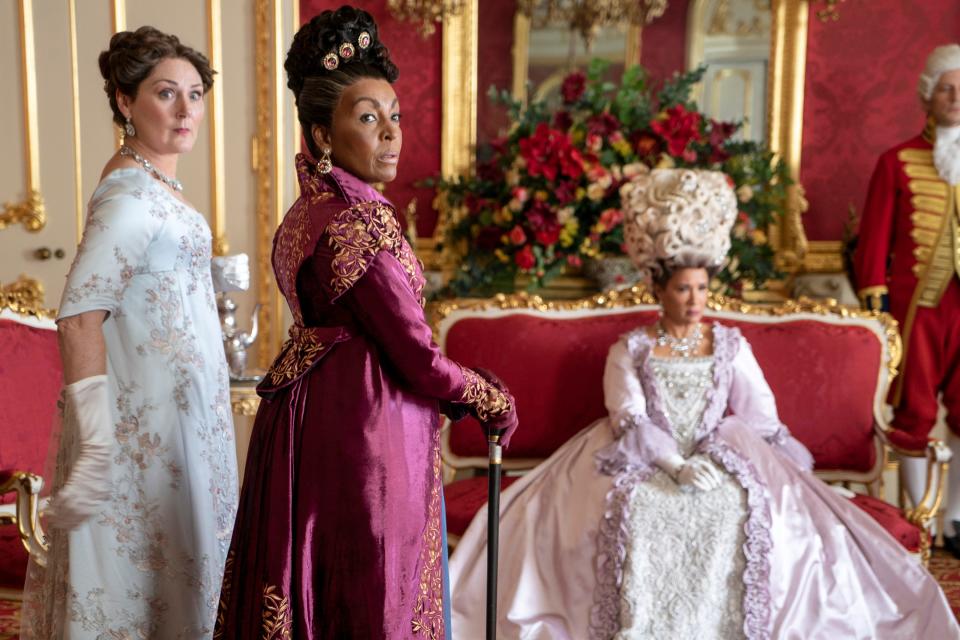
340 529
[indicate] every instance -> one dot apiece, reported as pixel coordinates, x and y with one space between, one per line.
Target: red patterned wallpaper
419 91
664 48
860 97
495 48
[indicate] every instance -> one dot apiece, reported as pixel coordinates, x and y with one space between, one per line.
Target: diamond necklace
173 183
680 347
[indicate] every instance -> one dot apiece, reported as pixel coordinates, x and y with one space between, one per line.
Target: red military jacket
909 245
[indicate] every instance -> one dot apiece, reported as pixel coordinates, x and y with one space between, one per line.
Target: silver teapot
235 341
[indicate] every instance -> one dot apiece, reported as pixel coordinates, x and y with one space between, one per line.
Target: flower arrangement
546 196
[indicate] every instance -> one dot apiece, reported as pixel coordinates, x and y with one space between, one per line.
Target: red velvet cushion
30 371
464 498
553 367
822 375
891 518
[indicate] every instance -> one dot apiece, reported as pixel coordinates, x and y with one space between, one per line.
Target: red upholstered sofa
30 379
829 368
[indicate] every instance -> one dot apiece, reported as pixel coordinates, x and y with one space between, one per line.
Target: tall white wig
942 59
678 218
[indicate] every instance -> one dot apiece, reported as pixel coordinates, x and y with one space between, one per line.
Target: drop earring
128 129
324 164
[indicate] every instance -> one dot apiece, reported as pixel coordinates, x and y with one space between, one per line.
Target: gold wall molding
31 212
75 99
459 86
260 159
785 86
118 23
217 180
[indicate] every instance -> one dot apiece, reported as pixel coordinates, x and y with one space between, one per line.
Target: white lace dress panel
150 564
683 572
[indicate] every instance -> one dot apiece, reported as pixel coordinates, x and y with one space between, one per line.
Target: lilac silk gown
340 529
598 543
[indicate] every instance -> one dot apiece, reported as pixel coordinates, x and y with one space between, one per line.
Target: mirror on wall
530 56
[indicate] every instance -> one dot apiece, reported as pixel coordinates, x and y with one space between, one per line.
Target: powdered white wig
678 218
941 60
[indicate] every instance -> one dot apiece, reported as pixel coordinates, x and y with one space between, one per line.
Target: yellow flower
501 256
502 216
758 236
745 193
580 193
666 162
622 147
541 195
596 191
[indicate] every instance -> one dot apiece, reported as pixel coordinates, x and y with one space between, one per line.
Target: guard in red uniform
908 260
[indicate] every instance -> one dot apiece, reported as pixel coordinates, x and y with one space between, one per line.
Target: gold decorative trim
638 295
75 99
785 86
823 256
279 161
24 296
217 180
244 401
276 613
459 114
118 23
31 213
260 159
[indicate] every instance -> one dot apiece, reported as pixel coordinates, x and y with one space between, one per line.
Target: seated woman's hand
699 473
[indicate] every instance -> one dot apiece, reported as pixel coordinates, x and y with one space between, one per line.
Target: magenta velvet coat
339 533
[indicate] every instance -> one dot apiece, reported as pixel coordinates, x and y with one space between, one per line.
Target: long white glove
88 485
695 472
230 273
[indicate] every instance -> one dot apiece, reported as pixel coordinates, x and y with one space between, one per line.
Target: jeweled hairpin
346 51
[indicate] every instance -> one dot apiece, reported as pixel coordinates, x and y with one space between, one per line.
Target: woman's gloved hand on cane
502 420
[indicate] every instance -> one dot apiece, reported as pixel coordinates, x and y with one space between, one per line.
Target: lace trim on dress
757 602
612 538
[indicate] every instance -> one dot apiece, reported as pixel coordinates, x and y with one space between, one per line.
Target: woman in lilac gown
690 512
340 530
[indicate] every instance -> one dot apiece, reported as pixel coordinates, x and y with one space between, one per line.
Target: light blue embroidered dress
150 564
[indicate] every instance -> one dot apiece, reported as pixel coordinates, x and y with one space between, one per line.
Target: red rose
720 132
517 235
562 120
573 87
549 152
603 124
679 128
647 145
525 258
547 237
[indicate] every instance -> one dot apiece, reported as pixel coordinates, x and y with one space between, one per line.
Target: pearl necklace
680 347
173 183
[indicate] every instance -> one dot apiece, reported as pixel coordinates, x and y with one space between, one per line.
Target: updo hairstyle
318 89
131 57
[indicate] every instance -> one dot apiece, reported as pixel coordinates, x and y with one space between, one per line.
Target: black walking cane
493 530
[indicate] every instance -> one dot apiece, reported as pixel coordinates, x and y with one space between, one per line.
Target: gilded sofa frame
445 314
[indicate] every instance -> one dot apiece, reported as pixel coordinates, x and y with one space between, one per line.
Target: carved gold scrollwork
24 296
31 213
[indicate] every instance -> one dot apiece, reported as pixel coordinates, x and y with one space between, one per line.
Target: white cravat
946 154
